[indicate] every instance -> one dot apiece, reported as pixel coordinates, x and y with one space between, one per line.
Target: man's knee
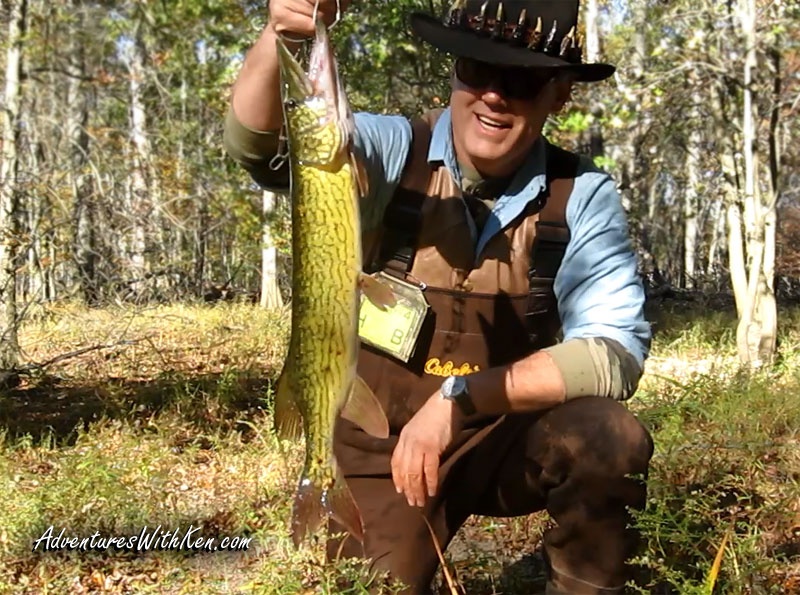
596 435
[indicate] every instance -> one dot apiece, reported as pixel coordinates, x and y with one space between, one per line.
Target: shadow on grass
53 410
524 575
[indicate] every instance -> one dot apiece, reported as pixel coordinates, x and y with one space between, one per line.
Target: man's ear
563 93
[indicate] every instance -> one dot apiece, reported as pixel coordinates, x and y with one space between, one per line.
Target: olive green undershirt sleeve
253 150
596 366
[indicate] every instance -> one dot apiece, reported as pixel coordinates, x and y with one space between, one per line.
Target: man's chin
487 159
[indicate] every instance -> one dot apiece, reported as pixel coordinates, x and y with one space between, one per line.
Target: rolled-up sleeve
599 290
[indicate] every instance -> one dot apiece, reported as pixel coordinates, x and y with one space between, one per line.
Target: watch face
454 385
447 386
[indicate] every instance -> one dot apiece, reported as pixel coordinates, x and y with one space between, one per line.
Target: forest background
116 195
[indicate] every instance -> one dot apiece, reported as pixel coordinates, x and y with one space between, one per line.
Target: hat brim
466 44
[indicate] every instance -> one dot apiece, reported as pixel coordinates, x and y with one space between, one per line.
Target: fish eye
290 103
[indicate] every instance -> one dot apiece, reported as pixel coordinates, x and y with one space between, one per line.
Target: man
506 238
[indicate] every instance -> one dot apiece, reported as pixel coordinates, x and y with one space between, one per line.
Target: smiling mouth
491 124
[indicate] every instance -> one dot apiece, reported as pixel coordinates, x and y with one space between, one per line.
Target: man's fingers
412 469
397 462
431 468
295 16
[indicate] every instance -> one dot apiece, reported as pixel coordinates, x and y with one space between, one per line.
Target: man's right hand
295 17
255 97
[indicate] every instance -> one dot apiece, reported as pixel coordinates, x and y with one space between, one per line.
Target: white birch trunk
270 290
9 167
591 14
138 197
147 218
757 330
717 231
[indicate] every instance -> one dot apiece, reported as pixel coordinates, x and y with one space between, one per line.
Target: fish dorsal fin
288 419
363 409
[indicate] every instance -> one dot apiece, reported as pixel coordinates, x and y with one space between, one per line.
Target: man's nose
494 94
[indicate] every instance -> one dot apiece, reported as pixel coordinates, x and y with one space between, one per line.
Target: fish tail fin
313 503
308 512
342 507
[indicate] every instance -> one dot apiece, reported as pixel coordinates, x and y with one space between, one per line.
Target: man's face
498 113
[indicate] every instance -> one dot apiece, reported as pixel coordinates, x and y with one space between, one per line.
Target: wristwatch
455 389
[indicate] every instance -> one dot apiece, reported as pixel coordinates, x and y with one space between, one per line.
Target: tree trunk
691 199
270 290
144 193
201 240
590 15
9 194
79 99
717 230
138 190
757 330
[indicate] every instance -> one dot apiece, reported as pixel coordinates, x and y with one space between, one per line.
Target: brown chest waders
571 460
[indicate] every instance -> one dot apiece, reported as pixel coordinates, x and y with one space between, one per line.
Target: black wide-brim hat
530 33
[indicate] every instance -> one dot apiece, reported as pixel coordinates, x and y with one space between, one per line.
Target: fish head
318 116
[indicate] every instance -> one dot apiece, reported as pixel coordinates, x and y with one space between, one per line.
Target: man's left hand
415 462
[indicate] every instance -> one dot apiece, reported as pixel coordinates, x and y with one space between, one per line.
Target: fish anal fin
376 291
288 419
363 409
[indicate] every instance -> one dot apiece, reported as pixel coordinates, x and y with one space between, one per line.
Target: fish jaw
315 106
323 73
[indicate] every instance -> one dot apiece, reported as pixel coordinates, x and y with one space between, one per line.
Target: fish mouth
321 81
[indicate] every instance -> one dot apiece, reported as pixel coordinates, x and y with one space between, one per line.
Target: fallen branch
36 367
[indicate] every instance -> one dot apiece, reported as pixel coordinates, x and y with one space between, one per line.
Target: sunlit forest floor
160 416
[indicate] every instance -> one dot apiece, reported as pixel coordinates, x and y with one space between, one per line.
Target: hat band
522 33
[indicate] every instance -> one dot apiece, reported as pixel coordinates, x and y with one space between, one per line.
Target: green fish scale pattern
326 265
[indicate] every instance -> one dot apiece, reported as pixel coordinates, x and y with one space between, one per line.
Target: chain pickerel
319 378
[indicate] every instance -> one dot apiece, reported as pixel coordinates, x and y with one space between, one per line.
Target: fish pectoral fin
377 292
288 419
360 175
363 409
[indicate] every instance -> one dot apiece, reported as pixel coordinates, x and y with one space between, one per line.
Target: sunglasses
511 82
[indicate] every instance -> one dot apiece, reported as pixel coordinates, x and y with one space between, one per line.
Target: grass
164 418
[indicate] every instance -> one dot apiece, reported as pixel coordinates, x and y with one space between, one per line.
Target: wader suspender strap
552 233
403 215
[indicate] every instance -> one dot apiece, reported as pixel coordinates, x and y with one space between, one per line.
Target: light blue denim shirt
598 288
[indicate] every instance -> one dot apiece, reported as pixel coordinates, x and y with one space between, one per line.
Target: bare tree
752 246
79 100
691 199
270 291
9 191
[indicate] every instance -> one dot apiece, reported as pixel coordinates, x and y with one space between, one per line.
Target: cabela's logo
436 367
